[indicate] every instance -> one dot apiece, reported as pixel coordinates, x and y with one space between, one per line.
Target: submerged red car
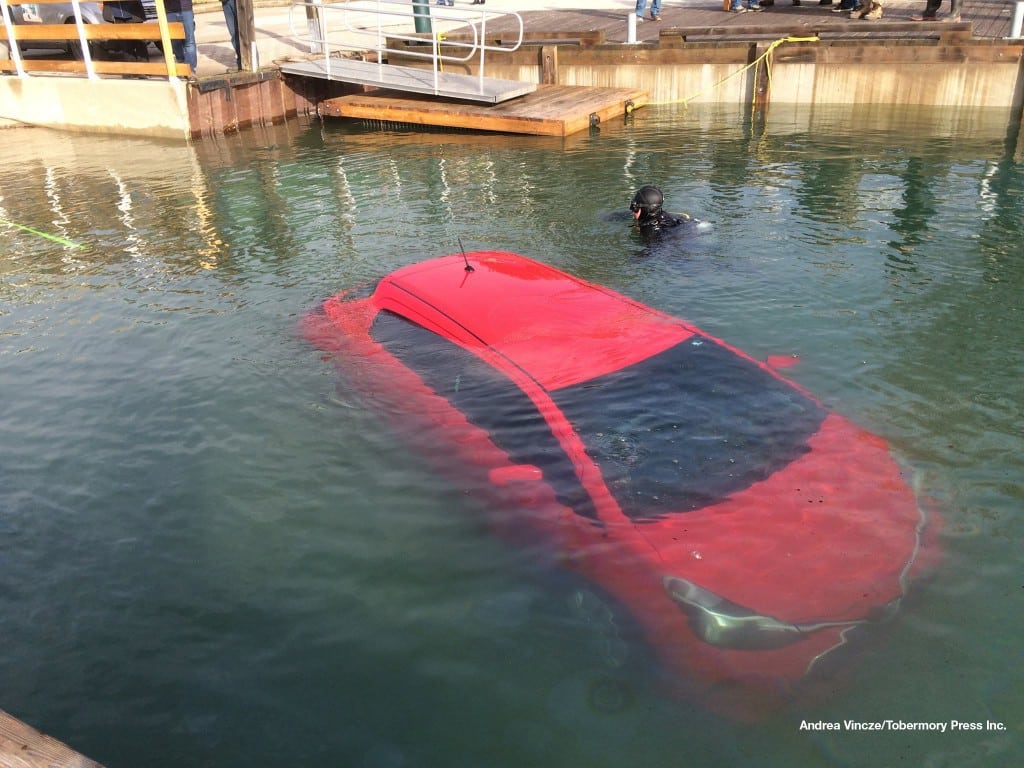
746 528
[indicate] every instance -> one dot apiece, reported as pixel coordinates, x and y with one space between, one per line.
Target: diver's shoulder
688 222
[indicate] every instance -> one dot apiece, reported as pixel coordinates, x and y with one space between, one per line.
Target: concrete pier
695 54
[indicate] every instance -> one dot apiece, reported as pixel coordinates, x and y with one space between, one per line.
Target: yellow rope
438 37
768 52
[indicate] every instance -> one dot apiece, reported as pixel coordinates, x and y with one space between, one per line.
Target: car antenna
469 267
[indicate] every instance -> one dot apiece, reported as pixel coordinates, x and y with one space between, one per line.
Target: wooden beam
93 31
157 68
928 29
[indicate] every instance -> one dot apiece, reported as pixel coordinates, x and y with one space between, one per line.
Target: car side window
488 399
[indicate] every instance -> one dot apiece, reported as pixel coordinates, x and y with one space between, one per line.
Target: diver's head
646 203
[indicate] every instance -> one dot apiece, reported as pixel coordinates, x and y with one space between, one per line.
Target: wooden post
315 24
247 36
1017 124
761 77
549 64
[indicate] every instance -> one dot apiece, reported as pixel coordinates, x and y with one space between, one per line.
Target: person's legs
188 47
231 20
640 6
655 9
177 46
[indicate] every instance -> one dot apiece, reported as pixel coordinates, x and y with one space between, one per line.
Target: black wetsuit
661 221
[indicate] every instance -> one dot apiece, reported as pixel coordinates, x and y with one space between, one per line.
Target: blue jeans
185 50
231 20
655 7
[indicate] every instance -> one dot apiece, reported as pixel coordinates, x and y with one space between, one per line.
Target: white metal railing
14 48
367 25
1018 20
12 44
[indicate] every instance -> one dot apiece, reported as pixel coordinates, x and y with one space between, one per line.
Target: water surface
210 555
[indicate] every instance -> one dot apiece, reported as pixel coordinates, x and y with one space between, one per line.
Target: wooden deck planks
989 19
551 110
22 746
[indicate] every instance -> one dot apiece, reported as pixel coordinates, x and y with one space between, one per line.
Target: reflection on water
204 560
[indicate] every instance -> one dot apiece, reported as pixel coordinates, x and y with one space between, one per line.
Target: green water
212 556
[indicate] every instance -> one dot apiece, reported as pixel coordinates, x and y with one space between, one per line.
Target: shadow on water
205 560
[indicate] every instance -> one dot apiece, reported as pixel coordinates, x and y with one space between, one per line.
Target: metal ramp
338 32
487 90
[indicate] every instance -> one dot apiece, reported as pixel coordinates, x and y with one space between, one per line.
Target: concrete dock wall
147 107
175 109
962 73
974 73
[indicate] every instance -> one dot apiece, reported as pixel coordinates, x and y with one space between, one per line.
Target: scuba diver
661 232
651 219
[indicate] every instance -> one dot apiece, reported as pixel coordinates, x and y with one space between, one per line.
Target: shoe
639 19
754 8
737 10
655 17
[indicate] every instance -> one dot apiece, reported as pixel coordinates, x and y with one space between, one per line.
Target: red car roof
557 328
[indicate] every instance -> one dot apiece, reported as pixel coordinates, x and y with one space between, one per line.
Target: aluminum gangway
336 32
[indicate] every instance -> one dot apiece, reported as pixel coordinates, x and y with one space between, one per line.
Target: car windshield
688 427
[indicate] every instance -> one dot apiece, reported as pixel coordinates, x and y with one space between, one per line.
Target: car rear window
488 399
688 427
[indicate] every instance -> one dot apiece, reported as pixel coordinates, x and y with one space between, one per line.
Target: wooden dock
985 19
551 110
22 746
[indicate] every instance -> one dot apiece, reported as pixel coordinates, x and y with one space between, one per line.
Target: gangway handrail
350 36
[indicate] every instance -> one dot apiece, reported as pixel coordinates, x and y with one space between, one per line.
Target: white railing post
1018 19
12 43
90 72
631 28
483 46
